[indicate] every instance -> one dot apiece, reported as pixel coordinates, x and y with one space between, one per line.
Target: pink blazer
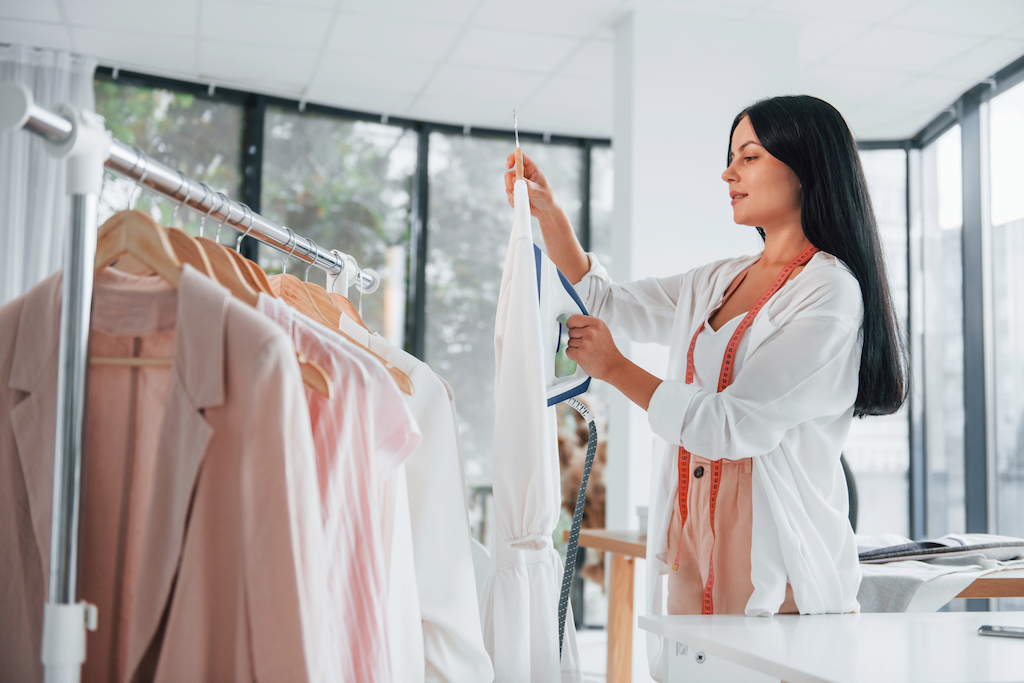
231 580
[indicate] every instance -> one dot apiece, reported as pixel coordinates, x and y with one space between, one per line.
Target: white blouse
789 408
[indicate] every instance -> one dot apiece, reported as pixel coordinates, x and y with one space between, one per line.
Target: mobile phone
1004 631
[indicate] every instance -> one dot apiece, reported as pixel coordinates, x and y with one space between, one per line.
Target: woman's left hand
591 346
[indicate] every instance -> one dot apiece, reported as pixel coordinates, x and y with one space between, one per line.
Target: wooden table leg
620 620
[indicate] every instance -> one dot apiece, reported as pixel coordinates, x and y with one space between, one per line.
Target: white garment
789 408
34 205
452 640
405 625
710 350
520 610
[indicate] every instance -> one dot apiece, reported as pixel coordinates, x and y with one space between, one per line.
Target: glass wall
469 226
878 448
200 137
942 277
347 185
1006 147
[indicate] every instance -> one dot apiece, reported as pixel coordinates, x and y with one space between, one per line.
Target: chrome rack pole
135 165
79 138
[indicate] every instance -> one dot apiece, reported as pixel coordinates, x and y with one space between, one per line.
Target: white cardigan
789 408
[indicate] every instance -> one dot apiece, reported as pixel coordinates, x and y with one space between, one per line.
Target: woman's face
764 191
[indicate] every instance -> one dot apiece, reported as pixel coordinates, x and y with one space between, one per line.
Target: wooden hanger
133 233
346 307
227 272
323 302
187 249
261 278
293 292
243 268
136 234
401 379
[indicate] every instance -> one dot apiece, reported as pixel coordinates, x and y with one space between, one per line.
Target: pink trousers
693 544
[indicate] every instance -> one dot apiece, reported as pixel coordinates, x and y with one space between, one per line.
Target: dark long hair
811 137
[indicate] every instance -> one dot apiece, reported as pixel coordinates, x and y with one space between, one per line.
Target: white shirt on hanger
452 639
520 610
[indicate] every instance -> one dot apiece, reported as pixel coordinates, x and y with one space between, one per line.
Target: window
346 185
198 136
1007 211
469 225
941 278
878 448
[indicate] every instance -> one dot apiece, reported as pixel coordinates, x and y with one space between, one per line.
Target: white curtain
34 211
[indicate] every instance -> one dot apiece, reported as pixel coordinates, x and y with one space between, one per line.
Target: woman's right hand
542 197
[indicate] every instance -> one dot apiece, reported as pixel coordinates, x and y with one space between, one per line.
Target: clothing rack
81 139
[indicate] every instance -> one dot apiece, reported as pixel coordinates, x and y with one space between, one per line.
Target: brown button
699 472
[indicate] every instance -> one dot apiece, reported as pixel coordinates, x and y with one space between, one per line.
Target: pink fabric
202 542
361 435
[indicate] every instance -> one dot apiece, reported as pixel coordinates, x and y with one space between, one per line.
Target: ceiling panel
976 17
240 22
430 10
361 99
730 10
130 16
886 64
926 93
563 92
356 71
981 62
496 84
592 59
136 50
32 33
898 49
30 10
252 64
861 10
477 111
821 38
510 50
1015 33
576 18
843 83
385 37
314 4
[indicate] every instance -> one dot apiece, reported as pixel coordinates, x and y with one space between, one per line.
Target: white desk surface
934 647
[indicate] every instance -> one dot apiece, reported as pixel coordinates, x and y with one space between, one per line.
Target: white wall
679 81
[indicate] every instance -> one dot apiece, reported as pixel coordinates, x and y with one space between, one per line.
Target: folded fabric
990 546
917 586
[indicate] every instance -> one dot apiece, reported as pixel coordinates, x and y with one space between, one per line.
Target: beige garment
692 545
215 529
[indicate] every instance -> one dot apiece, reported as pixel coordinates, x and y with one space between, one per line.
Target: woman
771 357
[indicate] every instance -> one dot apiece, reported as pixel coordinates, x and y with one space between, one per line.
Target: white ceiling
889 65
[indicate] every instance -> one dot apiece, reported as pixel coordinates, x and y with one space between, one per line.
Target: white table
941 647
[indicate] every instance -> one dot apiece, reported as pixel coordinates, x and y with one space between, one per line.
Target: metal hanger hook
247 212
202 221
138 183
188 194
313 252
227 217
294 242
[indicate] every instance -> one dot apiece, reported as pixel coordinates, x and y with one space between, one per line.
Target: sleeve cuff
596 270
668 407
